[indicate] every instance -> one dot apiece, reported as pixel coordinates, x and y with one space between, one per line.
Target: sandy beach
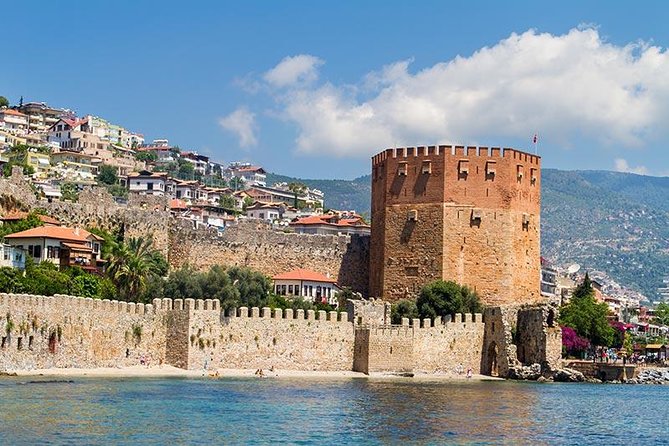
169 371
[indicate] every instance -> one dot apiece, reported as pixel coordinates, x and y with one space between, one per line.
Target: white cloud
621 165
567 87
302 68
242 123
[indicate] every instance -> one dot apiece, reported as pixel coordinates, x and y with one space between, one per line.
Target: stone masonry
249 243
65 331
467 214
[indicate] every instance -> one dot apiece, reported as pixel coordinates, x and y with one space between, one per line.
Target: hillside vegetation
610 221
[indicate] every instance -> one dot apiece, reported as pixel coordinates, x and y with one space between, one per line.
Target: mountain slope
610 221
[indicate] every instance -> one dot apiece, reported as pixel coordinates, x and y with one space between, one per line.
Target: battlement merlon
443 151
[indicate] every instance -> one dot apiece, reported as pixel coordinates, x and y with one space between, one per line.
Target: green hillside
609 221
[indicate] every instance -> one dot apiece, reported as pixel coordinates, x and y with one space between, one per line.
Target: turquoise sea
90 411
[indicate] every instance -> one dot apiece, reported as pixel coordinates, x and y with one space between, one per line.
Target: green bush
403 308
442 298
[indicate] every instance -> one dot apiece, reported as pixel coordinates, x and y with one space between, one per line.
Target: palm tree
132 263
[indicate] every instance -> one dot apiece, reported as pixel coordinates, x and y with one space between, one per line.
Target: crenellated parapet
444 151
287 314
168 304
458 319
73 304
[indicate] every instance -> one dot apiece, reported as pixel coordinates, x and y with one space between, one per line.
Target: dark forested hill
611 221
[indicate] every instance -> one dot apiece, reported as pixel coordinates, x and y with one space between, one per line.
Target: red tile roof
303 274
330 219
55 232
175 203
9 111
250 169
19 215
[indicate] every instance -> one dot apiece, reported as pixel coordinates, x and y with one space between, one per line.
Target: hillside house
61 246
309 285
331 224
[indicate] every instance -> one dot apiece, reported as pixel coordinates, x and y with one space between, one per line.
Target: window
426 167
490 168
149 186
402 168
290 289
35 251
519 171
463 167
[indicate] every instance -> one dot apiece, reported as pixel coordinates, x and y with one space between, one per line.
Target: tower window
402 168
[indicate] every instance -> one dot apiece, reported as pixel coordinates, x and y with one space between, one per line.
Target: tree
403 308
237 183
45 279
31 221
248 201
107 175
183 283
227 202
586 316
253 286
662 313
186 170
147 156
132 264
11 280
441 298
297 188
4 102
69 192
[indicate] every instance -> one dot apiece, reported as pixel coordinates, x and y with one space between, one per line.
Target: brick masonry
466 214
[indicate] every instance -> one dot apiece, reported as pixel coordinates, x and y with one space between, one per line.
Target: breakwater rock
651 376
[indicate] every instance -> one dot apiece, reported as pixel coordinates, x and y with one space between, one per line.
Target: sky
313 89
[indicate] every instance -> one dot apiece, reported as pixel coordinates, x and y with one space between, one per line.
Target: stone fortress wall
65 331
249 243
467 214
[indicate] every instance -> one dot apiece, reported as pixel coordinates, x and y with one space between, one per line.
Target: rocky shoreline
535 372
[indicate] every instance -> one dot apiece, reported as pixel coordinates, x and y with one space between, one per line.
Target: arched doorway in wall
491 366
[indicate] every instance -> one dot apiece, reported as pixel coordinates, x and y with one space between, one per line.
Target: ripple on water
304 411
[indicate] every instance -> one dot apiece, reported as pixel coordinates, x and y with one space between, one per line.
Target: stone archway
491 357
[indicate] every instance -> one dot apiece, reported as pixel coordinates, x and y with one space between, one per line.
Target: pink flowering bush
572 343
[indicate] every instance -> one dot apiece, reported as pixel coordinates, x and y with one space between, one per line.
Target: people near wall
469 373
460 369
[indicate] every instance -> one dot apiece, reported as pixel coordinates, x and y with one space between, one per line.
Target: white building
150 183
13 121
251 175
265 211
59 245
309 285
12 256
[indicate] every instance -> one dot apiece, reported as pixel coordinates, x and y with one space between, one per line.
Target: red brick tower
471 215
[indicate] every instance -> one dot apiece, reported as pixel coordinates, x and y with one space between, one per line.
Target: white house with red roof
331 224
307 284
265 211
252 175
151 183
13 121
60 245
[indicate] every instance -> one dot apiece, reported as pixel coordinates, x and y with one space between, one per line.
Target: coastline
167 371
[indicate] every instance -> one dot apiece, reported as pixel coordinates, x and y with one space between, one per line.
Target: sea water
175 411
